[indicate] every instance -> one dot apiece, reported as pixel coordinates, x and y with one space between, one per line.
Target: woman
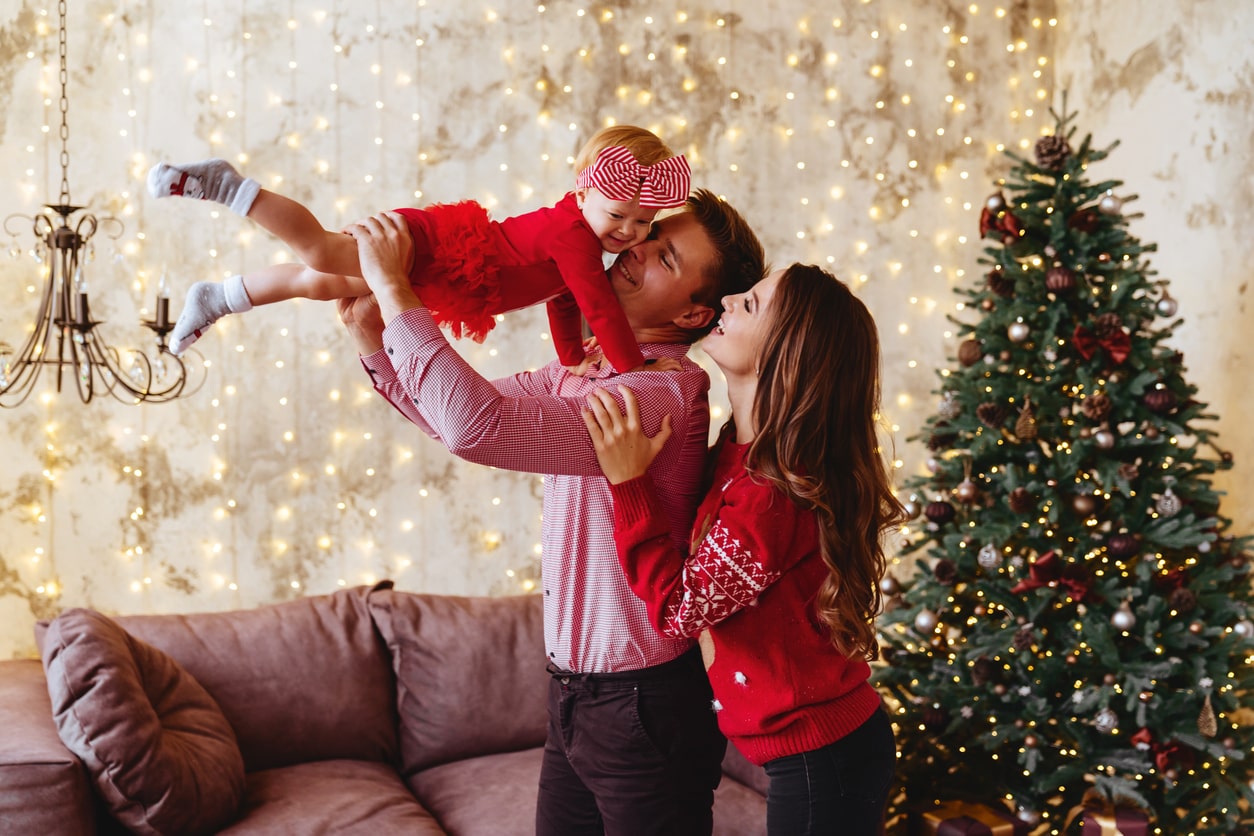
781 585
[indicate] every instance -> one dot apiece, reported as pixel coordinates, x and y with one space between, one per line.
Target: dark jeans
839 789
631 754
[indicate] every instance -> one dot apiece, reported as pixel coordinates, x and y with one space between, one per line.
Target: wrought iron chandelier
65 339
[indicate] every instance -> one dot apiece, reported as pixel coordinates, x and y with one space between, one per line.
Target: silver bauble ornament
995 202
889 585
1123 619
1166 306
1105 721
989 556
1105 439
913 508
926 621
1244 628
1110 204
1168 504
1018 332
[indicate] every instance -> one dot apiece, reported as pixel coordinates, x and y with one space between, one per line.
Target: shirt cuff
378 367
411 335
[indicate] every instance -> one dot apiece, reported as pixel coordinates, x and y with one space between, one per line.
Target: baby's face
618 224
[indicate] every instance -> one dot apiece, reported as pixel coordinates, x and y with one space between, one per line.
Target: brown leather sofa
369 711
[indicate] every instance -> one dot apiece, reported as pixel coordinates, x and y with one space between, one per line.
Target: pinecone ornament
942 437
1096 406
1001 284
1021 501
1052 152
1025 426
1108 324
991 415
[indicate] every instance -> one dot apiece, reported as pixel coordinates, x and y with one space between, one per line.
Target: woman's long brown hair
816 411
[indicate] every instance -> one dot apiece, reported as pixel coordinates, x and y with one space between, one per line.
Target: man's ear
698 316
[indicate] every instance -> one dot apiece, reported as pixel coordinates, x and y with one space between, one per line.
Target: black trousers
631 754
839 790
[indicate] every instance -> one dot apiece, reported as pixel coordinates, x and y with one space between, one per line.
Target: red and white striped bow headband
616 174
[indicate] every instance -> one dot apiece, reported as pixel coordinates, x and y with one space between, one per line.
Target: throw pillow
470 674
157 747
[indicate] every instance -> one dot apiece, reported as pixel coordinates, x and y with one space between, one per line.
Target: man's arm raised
534 433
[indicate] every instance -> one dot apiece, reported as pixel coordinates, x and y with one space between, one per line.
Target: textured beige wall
864 139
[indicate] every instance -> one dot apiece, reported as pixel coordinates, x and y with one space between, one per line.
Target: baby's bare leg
207 302
291 222
297 281
327 252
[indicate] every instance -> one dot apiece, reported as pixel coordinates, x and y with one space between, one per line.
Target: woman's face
737 338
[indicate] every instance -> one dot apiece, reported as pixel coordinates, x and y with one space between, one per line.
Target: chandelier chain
65 108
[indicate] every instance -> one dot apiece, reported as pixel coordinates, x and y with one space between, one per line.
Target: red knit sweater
747 591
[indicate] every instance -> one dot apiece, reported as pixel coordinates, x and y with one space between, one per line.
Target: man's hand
623 449
362 320
385 250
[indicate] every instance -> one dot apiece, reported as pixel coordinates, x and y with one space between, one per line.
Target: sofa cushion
470 673
43 787
157 747
345 798
300 681
491 795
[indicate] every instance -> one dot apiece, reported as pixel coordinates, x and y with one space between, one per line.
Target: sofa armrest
44 788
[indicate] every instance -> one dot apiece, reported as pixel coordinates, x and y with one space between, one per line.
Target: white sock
215 180
236 295
207 302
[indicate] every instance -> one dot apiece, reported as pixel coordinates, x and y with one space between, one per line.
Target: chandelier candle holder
64 336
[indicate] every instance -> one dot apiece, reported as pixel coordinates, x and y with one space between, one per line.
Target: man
633 746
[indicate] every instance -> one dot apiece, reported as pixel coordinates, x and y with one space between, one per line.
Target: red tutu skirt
459 279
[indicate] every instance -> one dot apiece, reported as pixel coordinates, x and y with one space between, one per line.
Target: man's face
655 280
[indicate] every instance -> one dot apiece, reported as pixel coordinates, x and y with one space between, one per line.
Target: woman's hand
623 449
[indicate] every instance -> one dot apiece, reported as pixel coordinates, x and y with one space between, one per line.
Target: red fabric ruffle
462 285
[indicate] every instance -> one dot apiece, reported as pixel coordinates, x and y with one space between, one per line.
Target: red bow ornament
1118 345
1001 220
619 176
1050 570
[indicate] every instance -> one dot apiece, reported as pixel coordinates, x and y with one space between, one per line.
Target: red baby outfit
467 269
747 589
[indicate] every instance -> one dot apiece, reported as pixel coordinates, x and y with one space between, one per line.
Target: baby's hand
589 364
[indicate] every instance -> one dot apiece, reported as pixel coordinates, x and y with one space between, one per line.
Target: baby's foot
207 180
205 305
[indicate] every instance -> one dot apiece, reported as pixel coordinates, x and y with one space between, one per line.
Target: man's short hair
740 263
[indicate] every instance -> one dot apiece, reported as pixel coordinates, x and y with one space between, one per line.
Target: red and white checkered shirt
531 422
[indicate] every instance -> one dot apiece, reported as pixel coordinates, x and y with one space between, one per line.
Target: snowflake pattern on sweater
719 579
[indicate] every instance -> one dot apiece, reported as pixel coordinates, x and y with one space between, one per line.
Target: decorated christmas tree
1076 633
